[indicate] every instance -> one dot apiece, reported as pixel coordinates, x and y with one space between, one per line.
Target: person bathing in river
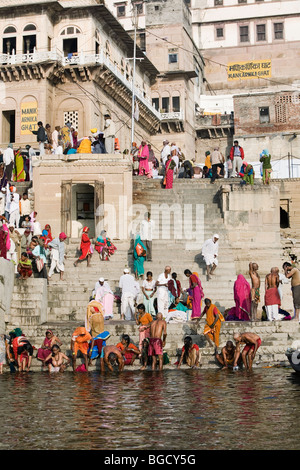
56 360
228 355
110 356
252 342
190 354
158 329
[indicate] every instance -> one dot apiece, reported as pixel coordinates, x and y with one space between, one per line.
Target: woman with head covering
242 297
19 172
86 247
57 247
139 256
45 349
195 291
170 166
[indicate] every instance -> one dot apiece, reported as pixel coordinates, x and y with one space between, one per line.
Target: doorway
9 126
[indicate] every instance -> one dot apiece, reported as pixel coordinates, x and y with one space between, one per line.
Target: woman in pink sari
170 165
143 156
195 291
242 298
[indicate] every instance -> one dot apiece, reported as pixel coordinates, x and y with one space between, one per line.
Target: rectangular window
264 115
244 33
139 8
165 104
176 104
220 33
143 41
260 32
278 30
218 2
155 103
120 11
173 58
242 1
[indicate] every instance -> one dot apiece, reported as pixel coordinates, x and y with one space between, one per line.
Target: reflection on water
180 410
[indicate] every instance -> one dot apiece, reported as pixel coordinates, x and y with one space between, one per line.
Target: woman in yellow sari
19 171
213 323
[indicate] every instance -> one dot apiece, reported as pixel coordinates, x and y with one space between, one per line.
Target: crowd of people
173 164
151 305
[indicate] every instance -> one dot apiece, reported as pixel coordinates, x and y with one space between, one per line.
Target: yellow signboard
29 117
248 70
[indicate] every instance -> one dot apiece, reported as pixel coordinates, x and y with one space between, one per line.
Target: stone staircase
62 304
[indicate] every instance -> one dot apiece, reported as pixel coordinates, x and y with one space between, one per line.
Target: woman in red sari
170 165
86 247
195 291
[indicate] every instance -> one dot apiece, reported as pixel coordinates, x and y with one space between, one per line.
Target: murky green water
180 410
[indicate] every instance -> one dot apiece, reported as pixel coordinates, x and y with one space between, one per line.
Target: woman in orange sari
86 247
213 323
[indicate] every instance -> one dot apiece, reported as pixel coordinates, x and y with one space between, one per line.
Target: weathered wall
6 289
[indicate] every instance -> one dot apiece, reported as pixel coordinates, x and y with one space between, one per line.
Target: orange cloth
85 146
145 319
213 333
81 340
130 346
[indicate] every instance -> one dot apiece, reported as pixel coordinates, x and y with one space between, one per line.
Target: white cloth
128 284
237 164
163 302
282 280
8 156
55 264
164 153
2 203
25 207
54 140
210 251
146 230
127 305
14 218
176 315
272 312
14 203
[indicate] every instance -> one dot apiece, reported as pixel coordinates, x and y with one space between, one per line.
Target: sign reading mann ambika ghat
29 117
249 70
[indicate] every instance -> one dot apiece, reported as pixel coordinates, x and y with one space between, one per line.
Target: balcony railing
78 59
174 115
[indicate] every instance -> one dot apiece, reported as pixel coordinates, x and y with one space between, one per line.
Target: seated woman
190 354
128 350
247 174
47 235
55 360
24 267
104 246
48 342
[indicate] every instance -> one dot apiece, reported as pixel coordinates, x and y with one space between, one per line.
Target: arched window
97 41
29 27
9 30
29 38
107 49
70 40
9 42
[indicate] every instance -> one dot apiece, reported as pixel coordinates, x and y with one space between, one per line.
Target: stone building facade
70 61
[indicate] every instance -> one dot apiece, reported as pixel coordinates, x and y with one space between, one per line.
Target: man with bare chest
255 290
294 274
252 343
158 330
272 297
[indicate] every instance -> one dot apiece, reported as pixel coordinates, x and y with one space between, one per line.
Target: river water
171 410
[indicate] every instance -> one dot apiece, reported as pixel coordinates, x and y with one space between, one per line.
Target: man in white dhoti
57 255
209 252
105 296
128 285
163 291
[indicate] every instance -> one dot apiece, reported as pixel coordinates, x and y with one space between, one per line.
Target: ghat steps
62 305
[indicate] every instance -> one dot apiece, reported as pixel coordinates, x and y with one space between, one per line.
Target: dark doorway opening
70 47
9 126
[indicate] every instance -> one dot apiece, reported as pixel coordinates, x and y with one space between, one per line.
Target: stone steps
276 337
